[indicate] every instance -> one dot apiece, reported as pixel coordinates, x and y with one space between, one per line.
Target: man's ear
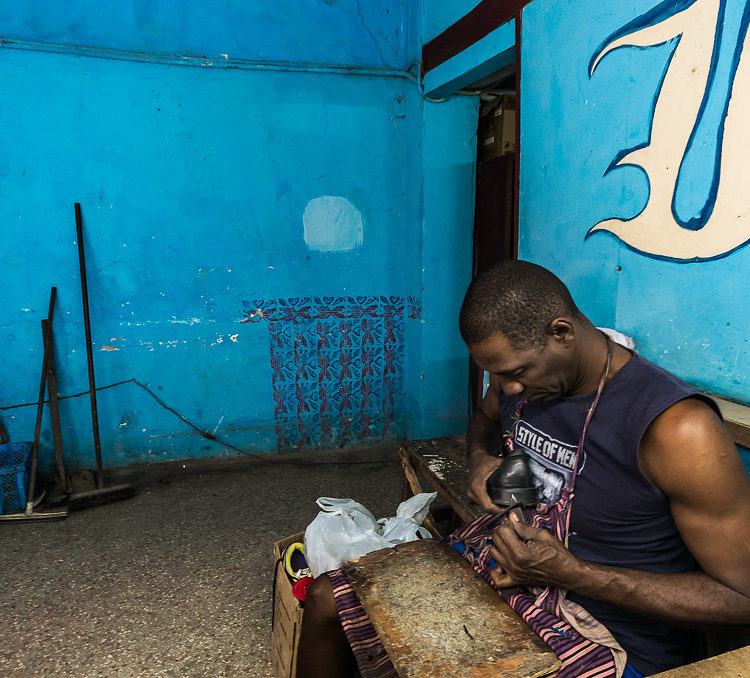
562 331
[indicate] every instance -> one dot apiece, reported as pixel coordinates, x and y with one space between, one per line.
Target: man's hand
527 555
481 467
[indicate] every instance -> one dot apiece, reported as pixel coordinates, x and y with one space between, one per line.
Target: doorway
495 220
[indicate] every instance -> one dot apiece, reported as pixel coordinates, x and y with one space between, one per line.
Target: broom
100 494
47 365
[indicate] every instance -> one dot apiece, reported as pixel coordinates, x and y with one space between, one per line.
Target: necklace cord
579 451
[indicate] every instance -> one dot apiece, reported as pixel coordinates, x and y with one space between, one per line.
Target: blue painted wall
449 185
221 202
689 317
327 32
260 196
685 307
439 15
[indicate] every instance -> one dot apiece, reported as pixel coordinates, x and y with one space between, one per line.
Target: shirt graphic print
551 460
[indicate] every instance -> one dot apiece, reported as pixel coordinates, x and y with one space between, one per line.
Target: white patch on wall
332 224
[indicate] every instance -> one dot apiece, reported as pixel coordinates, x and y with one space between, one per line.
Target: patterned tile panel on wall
337 366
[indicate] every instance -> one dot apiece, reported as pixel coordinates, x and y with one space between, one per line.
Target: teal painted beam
490 54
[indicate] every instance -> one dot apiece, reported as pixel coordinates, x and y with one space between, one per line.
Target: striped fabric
372 659
585 647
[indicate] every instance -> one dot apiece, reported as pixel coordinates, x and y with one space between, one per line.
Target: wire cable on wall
264 456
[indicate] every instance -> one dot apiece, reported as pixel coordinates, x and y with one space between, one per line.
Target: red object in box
299 589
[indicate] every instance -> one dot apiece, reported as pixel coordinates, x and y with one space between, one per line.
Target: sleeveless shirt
618 517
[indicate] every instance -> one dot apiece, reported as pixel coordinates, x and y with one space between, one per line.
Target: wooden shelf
737 420
729 665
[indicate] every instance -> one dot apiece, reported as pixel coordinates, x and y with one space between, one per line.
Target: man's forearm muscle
691 598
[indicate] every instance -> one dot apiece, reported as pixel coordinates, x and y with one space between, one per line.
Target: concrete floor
177 580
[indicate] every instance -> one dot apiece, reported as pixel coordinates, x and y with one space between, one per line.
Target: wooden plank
735 664
438 619
443 464
739 432
736 418
410 477
735 412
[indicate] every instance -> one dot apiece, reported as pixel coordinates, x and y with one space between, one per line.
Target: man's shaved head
518 299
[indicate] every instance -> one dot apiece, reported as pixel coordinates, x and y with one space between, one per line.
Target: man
655 507
660 521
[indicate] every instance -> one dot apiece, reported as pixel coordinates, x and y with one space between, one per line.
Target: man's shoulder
684 437
656 387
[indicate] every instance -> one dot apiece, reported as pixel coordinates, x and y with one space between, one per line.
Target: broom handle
54 407
89 350
39 409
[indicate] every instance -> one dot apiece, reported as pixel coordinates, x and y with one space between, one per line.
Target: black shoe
513 482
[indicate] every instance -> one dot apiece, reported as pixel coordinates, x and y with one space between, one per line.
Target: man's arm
688 454
483 439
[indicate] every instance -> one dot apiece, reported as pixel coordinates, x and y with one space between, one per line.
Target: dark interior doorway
495 228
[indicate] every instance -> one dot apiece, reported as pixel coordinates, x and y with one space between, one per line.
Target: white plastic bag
407 525
344 530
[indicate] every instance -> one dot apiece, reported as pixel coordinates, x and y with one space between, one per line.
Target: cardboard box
496 134
287 615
